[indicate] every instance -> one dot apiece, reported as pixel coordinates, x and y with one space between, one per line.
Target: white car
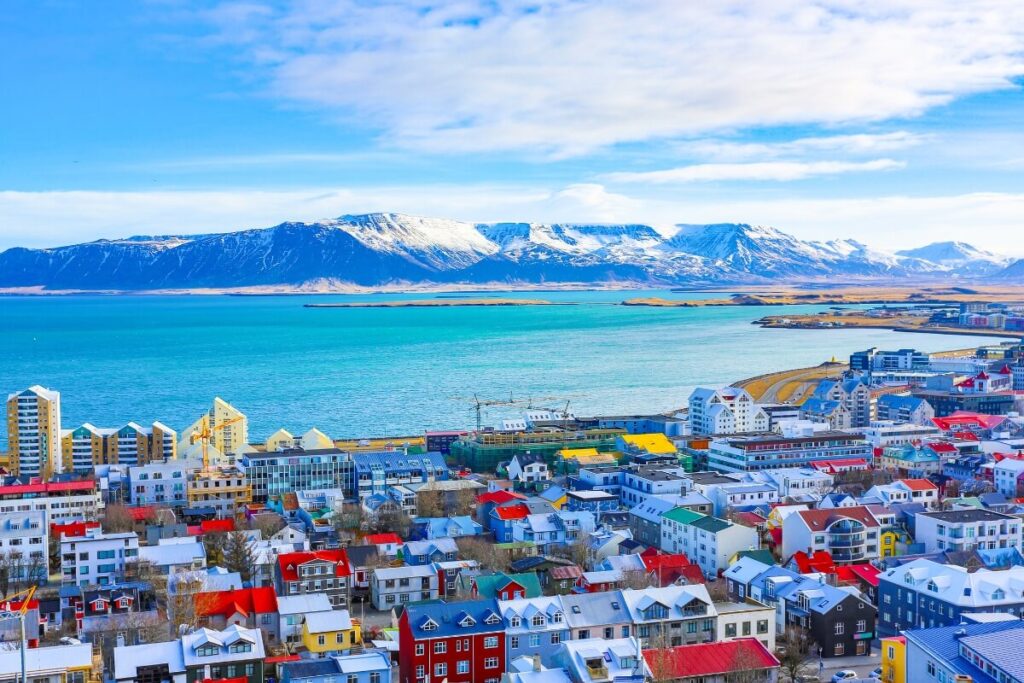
876 673
843 675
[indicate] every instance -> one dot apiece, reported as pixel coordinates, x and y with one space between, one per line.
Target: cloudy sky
897 123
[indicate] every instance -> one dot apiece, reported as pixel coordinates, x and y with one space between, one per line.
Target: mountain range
387 249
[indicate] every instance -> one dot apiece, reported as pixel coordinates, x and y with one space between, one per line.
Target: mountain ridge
380 249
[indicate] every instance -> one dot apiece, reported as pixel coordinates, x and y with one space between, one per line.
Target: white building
884 433
708 541
527 469
730 410
1007 475
292 609
97 559
906 491
850 534
748 619
967 529
24 535
390 586
174 555
61 502
795 482
161 482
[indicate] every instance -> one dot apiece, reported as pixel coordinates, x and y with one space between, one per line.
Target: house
849 534
597 615
1008 476
595 660
901 491
26 535
729 410
833 413
916 460
548 530
673 615
327 634
746 619
534 626
501 519
391 586
925 594
505 586
292 611
894 659
234 653
854 395
982 652
555 495
387 544
589 500
373 666
363 559
430 528
528 470
315 571
905 410
419 553
714 662
645 520
247 607
97 558
463 642
640 482
968 529
795 482
708 541
669 569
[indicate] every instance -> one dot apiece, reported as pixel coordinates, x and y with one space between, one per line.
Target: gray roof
595 609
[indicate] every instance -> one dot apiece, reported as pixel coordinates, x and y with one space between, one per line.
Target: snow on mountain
388 248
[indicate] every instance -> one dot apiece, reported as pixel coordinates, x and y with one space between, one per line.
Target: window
556 638
240 647
462 667
421 672
584 633
440 647
513 642
374 677
862 626
420 649
491 641
931 668
491 663
441 669
730 630
207 651
535 640
840 628
321 640
515 622
538 620
353 678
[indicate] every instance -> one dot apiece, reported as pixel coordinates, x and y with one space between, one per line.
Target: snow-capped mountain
393 249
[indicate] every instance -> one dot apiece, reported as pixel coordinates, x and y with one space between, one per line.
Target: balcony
597 670
846 540
847 555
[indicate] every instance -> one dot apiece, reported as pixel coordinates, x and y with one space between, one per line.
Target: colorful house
327 634
463 642
894 660
506 586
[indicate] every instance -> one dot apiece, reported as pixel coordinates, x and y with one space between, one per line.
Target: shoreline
441 303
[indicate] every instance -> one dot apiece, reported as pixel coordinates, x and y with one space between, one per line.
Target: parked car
844 675
876 673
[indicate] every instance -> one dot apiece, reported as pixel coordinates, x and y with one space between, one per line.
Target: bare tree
718 590
430 504
188 600
215 545
463 504
794 651
481 550
747 667
952 489
18 571
117 519
637 578
267 524
240 555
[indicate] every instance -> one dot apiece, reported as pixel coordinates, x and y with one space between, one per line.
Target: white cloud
566 77
993 221
857 144
762 170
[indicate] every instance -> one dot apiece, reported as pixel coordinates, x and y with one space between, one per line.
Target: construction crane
206 433
7 613
479 404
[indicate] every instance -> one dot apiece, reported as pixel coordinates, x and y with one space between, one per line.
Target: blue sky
895 123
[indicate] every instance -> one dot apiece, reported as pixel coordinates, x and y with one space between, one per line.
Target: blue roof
944 643
399 461
552 493
820 406
448 617
900 402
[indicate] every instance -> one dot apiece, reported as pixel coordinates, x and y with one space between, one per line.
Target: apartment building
534 626
87 446
798 445
640 482
885 432
673 615
967 529
730 410
850 534
226 489
24 546
276 473
60 501
708 541
96 558
227 426
33 432
459 642
904 410
161 483
376 472
316 571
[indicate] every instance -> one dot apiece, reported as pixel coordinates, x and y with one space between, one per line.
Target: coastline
441 303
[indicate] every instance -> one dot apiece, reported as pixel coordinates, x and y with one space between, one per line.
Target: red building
461 642
316 571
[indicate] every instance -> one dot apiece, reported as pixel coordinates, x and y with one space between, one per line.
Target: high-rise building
227 426
87 446
33 432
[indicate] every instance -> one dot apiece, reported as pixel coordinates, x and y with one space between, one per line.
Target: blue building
429 528
376 472
534 626
591 501
987 652
426 552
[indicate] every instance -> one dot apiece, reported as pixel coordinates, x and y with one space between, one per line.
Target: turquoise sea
379 371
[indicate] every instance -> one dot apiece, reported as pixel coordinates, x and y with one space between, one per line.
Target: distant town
863 519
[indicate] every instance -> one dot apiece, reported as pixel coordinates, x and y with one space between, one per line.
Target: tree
952 489
578 552
746 667
636 578
240 555
463 503
430 504
215 545
481 550
18 571
117 519
267 524
794 652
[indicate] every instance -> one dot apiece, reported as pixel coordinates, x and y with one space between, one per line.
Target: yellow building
228 428
279 441
33 432
326 634
225 488
574 458
87 446
894 660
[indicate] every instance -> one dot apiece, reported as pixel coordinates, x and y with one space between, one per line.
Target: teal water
377 371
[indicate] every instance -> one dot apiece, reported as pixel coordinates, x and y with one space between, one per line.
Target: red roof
1005 370
965 418
382 539
919 485
941 447
282 658
819 520
48 487
289 562
965 436
710 659
820 562
749 518
866 572
141 514
499 497
72 529
517 511
216 526
244 601
669 569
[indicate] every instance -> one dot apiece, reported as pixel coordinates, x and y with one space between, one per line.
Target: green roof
712 524
967 501
682 515
764 556
490 586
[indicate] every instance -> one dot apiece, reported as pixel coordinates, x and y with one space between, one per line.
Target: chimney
536 662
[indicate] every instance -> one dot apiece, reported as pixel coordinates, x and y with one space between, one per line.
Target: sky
897 123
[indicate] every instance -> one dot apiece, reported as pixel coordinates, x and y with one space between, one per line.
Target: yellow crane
7 613
206 433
